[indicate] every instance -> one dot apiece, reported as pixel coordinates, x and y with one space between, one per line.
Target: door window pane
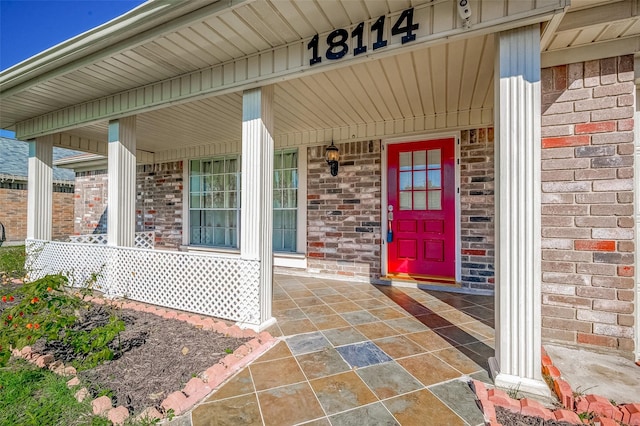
434 159
405 181
435 179
435 200
420 180
405 200
419 160
419 200
405 161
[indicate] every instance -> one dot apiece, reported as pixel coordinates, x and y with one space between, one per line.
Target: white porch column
121 215
256 223
40 188
518 194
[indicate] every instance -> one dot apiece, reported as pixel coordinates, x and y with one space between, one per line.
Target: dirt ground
154 356
509 418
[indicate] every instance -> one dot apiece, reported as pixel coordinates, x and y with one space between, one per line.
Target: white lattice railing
143 240
223 287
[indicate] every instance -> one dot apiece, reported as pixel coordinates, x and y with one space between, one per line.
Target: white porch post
40 188
256 223
121 215
518 237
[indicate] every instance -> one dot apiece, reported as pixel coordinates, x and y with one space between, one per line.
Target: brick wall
477 208
13 214
91 202
159 202
587 203
343 212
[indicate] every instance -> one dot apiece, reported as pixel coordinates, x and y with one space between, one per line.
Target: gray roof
14 156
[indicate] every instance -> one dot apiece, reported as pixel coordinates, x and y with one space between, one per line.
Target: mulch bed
157 356
509 418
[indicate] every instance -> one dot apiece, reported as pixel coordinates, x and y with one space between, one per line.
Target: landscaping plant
12 261
43 309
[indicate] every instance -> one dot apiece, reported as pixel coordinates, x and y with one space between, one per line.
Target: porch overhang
202 59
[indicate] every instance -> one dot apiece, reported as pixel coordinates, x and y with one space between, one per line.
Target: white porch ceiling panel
603 22
449 85
243 29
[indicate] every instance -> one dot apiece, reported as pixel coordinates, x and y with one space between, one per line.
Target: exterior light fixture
332 155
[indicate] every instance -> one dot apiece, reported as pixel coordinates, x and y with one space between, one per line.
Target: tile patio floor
359 354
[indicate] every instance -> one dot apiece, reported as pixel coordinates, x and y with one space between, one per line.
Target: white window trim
296 259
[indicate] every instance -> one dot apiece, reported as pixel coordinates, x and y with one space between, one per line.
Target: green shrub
12 262
42 309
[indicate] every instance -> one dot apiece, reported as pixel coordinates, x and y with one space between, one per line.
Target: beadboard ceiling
453 79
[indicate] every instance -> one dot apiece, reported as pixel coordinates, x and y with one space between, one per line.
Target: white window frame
281 259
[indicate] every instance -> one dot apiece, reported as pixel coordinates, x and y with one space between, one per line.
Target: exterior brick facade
477 208
158 202
13 214
91 202
343 212
587 203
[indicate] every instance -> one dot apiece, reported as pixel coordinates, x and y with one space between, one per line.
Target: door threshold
422 279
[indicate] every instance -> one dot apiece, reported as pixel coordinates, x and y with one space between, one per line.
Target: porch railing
143 240
220 286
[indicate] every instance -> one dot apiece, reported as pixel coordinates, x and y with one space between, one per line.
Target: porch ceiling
596 22
448 78
448 83
214 35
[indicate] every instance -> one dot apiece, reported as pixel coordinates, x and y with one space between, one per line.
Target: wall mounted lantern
332 155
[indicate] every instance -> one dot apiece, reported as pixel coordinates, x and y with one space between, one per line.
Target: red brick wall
587 203
158 202
477 208
13 214
91 202
343 212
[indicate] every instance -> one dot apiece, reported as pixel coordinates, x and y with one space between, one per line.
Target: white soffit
452 80
237 30
597 23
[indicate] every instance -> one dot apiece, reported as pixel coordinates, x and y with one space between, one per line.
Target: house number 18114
337 46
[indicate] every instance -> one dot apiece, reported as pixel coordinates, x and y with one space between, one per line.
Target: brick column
40 189
517 141
121 214
256 221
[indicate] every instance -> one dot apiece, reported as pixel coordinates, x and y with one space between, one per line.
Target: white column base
517 383
257 327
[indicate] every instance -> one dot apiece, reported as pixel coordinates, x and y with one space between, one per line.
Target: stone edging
194 391
604 412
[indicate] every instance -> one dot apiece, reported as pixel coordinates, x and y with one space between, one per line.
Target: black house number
337 39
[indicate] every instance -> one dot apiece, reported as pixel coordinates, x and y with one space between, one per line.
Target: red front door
421 200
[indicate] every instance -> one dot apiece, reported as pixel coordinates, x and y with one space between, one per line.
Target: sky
28 27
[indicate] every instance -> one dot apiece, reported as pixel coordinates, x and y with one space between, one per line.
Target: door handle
389 225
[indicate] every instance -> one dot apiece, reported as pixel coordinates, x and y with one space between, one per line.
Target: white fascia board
82 162
591 52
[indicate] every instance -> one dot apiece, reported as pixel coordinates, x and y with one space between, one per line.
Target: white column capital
40 188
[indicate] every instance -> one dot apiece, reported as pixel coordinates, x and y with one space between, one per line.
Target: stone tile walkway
359 354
